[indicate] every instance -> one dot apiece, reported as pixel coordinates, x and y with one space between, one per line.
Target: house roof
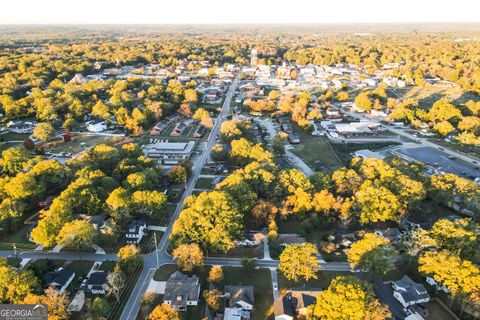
97 278
135 225
181 288
58 277
295 300
290 238
239 293
410 290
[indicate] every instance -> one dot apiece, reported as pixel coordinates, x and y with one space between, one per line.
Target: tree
363 101
263 211
278 144
129 258
249 263
444 128
348 298
372 252
100 307
459 237
28 144
212 299
342 96
177 174
77 233
15 284
116 280
191 96
377 203
13 160
299 261
215 275
417 240
442 110
211 220
43 131
459 276
188 256
56 303
163 312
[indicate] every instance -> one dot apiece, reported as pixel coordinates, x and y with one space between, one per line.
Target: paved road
298 162
150 261
68 256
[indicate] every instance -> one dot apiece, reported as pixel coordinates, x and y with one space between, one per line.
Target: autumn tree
215 275
299 261
16 284
372 253
13 159
459 236
56 303
377 203
43 131
363 101
77 233
188 256
348 298
129 258
177 174
212 299
163 312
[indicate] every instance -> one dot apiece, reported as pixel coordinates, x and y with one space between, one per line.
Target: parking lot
440 160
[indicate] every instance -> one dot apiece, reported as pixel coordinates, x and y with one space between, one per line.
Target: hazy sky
241 11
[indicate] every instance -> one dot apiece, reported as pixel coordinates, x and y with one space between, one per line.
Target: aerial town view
237 161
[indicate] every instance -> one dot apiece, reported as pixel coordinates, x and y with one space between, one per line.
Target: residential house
96 126
408 292
239 297
285 239
437 285
79 79
181 291
392 234
178 130
295 303
97 282
199 132
59 279
136 231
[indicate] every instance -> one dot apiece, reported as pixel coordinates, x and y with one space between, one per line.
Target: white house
96 126
136 231
408 292
437 285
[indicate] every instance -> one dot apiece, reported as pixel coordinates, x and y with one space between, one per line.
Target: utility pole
15 250
156 248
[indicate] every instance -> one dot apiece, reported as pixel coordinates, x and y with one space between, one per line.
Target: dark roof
239 293
135 225
181 288
97 278
295 300
58 277
413 291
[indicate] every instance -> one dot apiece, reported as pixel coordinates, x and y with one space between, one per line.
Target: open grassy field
204 183
81 142
19 238
315 151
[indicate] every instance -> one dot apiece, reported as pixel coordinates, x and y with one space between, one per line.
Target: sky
234 12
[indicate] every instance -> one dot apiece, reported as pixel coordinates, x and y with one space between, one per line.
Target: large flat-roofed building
169 152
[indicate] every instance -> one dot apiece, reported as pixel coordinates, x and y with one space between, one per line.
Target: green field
315 151
204 183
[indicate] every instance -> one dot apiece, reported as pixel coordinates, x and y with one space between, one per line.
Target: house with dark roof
285 239
59 279
239 297
295 303
97 282
392 234
408 292
136 231
181 291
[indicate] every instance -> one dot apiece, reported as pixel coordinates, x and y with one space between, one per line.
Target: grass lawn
107 266
323 280
315 151
80 143
204 183
240 252
18 237
262 283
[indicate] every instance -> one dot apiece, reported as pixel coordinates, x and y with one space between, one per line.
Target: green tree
129 258
299 261
100 307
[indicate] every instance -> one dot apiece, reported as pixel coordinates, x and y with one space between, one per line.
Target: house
199 132
392 234
169 152
240 297
438 285
294 138
248 241
181 291
135 231
408 292
79 79
295 303
178 130
59 279
96 126
235 314
285 239
21 127
97 282
365 153
344 240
